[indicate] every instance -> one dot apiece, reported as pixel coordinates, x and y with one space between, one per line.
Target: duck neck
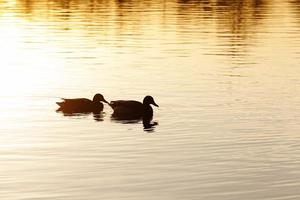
148 111
96 102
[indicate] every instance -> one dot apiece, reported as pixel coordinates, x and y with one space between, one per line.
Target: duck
130 109
82 105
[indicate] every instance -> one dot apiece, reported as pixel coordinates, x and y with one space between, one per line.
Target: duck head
98 98
149 100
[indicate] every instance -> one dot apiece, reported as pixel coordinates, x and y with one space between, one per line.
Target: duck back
127 109
131 110
79 105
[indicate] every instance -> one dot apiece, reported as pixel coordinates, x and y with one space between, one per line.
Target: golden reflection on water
225 74
44 36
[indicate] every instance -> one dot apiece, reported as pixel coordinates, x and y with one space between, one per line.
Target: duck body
82 105
130 109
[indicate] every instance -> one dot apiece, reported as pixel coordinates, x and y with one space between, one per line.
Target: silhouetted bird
82 105
129 109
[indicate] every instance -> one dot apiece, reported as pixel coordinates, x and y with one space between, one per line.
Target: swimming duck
129 109
81 105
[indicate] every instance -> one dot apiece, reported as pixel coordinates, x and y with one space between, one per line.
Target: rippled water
225 74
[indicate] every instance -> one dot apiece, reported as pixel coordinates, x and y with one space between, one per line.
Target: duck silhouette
130 109
82 105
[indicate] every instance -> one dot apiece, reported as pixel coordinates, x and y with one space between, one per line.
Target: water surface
224 73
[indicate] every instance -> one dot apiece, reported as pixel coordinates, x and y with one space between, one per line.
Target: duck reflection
148 124
98 116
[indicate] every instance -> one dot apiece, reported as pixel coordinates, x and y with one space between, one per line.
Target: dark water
225 74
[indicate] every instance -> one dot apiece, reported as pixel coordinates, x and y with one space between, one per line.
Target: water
224 73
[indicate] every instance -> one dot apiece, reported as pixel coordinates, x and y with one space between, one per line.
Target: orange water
225 74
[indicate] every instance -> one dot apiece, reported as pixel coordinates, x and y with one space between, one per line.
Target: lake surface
226 75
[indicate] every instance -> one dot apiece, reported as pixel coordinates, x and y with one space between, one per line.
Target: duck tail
112 104
60 103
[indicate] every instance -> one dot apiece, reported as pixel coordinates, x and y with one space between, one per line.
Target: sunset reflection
225 74
22 67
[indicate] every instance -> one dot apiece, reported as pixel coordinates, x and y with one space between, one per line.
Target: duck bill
155 104
105 101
